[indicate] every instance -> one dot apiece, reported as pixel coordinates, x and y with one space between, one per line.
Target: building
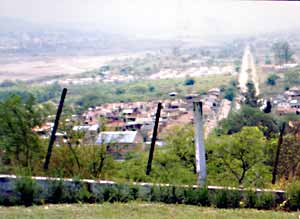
119 143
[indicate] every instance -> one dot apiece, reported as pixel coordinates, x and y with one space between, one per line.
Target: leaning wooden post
280 141
52 138
153 140
199 144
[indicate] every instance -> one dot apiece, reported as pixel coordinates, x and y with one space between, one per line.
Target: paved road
248 72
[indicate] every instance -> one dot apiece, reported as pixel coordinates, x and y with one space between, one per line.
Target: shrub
225 198
196 196
167 194
98 193
72 192
265 200
154 194
133 192
250 199
144 193
271 80
83 194
26 190
189 82
6 200
293 196
56 192
123 193
180 194
111 193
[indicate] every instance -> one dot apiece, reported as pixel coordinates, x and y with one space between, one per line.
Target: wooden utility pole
199 144
280 141
153 140
56 122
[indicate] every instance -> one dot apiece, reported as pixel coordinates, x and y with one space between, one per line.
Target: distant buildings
129 126
288 102
120 143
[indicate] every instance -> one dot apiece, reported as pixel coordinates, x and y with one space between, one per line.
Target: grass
137 210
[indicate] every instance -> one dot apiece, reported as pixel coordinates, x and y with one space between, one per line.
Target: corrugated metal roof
94 127
81 127
128 111
124 137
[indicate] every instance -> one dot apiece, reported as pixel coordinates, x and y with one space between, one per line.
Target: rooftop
124 137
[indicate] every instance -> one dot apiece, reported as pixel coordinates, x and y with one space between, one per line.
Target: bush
83 194
293 196
271 80
196 196
116 193
189 82
250 199
265 200
133 192
154 195
230 93
26 190
144 193
56 192
68 192
225 199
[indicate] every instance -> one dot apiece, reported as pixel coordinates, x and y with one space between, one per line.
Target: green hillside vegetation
81 97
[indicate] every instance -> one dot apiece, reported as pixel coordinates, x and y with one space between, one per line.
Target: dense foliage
249 116
272 79
19 143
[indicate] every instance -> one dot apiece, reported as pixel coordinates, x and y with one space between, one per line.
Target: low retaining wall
7 185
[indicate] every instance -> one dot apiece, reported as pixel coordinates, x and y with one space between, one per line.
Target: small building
295 103
214 91
119 143
292 92
173 94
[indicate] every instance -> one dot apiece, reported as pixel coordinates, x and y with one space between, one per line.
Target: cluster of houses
128 127
288 102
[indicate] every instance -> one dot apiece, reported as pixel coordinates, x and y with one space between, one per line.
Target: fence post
153 140
199 144
280 141
56 122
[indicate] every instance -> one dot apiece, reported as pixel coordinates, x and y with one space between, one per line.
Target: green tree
271 80
250 95
230 93
151 88
174 163
239 156
189 82
17 119
249 116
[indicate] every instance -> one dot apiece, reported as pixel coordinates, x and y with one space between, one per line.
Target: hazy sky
191 17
